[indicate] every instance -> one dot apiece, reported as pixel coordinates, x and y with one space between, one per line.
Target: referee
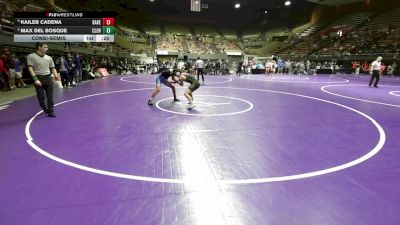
375 71
200 68
39 66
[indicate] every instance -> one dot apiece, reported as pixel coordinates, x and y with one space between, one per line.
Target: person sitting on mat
167 78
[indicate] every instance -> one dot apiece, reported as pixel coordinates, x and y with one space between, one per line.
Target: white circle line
139 82
209 115
286 78
374 151
27 133
357 99
153 83
301 82
394 93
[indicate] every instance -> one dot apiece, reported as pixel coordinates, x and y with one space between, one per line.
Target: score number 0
108 21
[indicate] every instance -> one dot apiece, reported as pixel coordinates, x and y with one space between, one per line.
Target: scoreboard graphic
64 26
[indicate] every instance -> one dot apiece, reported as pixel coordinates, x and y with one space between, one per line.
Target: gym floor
304 150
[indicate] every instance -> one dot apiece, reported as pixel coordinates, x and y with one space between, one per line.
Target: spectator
3 76
63 67
18 71
77 63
